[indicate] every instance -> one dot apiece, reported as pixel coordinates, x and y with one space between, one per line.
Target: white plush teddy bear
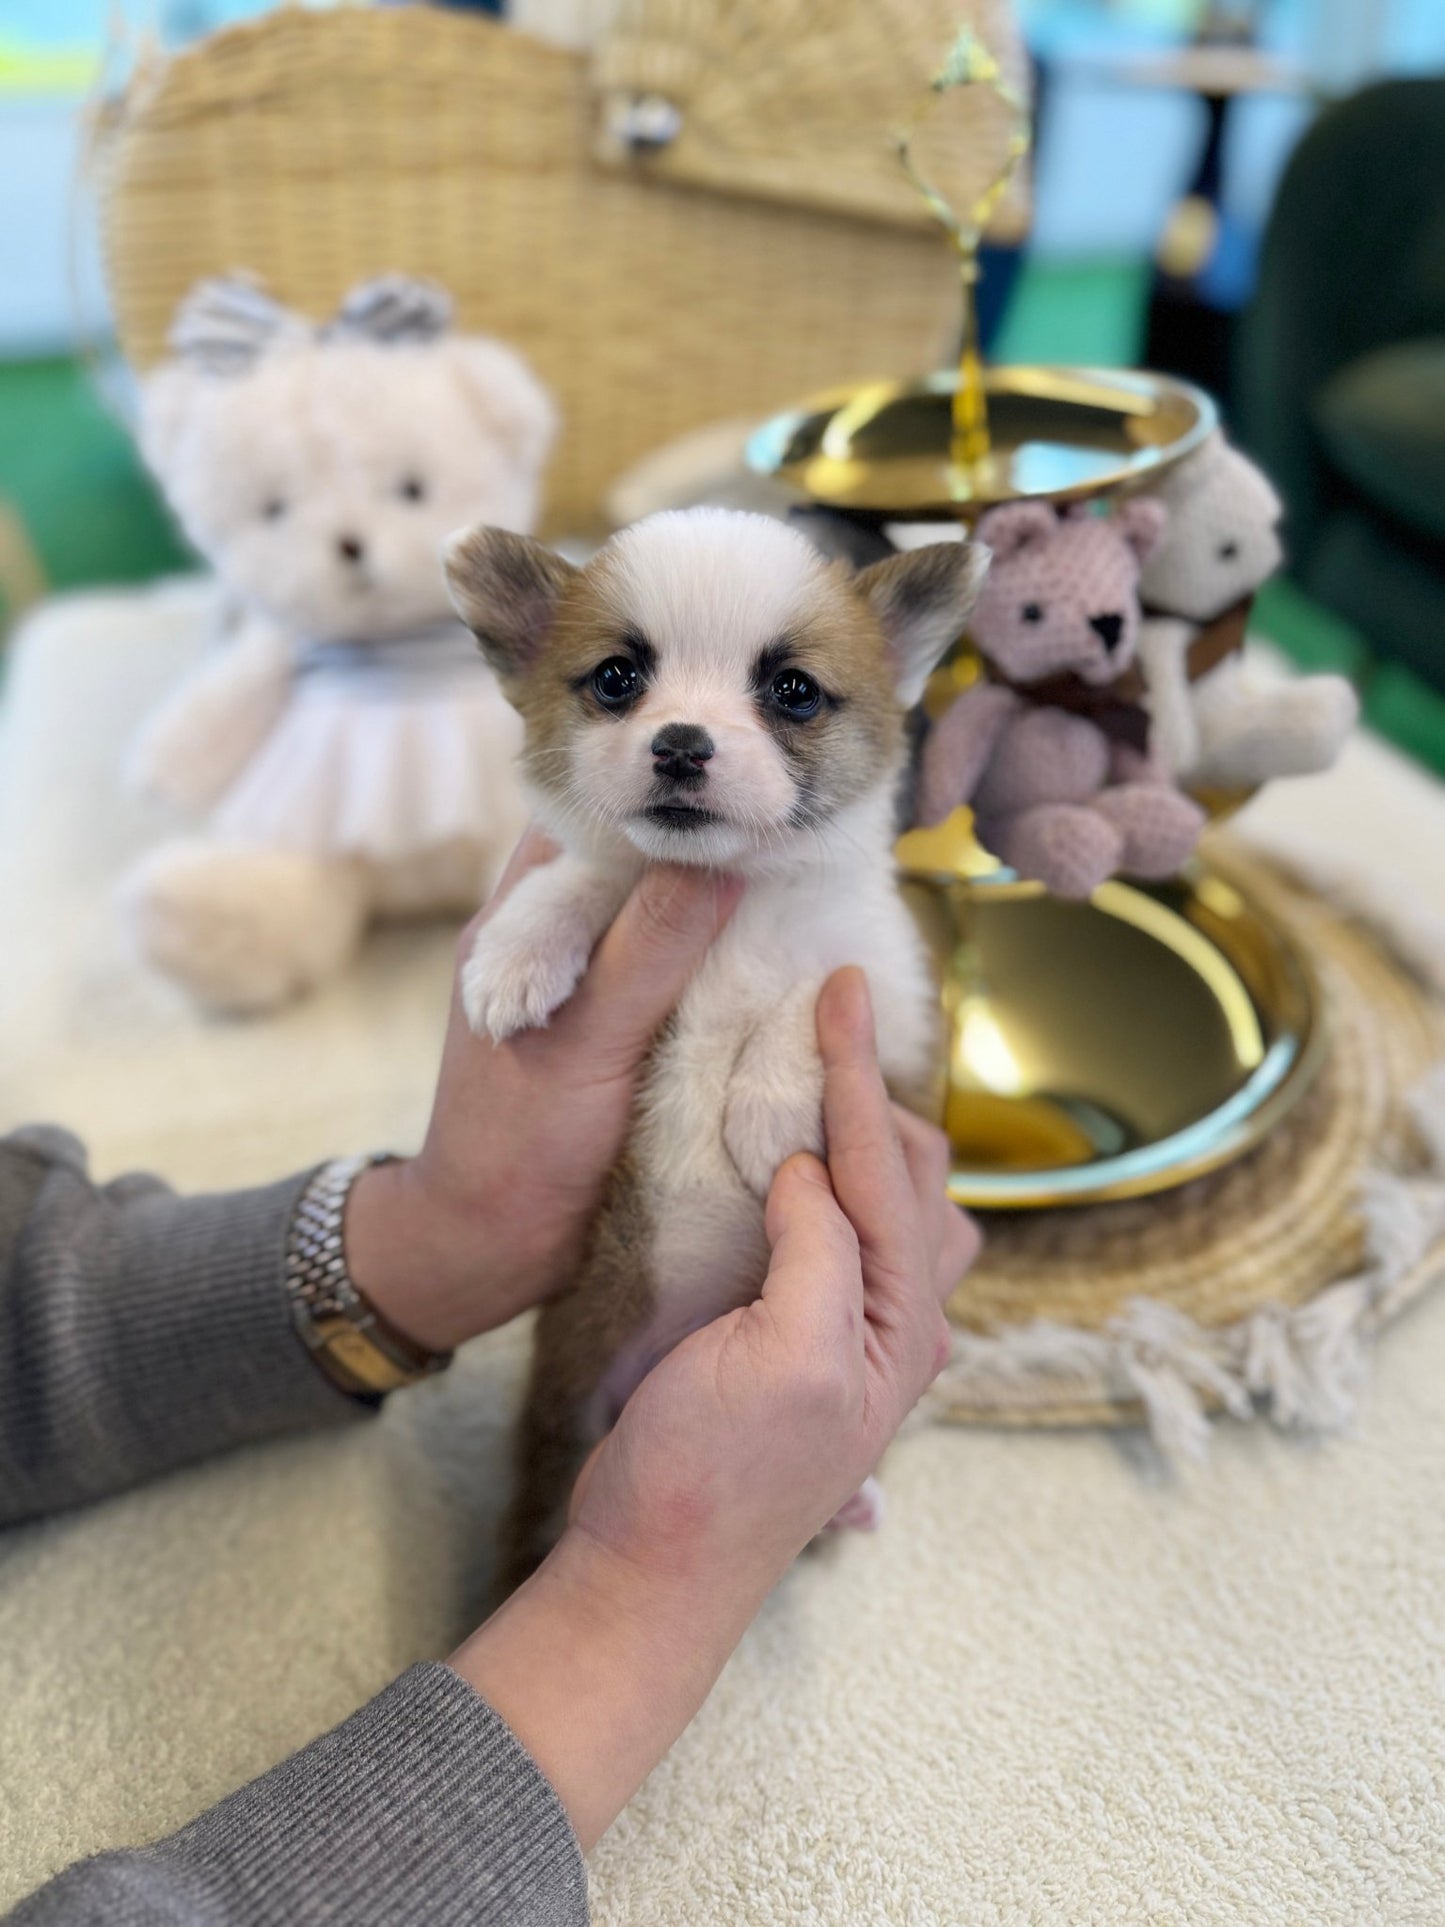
1219 720
348 751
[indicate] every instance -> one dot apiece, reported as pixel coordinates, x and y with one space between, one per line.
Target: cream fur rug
1057 1687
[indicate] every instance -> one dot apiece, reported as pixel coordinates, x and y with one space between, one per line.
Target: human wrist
416 1258
597 1664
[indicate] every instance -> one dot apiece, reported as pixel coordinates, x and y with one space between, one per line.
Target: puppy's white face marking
690 750
709 688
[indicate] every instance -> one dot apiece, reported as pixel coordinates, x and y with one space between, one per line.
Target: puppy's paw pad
506 989
864 1512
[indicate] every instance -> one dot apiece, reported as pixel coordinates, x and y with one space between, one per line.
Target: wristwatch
344 1332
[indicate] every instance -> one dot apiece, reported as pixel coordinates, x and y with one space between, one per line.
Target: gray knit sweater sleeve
138 1331
421 1810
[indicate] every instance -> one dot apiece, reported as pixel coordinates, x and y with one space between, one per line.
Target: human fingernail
851 1004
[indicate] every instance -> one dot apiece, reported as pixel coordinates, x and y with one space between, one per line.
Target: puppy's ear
506 589
922 600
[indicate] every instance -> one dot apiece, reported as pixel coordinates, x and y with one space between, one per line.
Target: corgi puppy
707 689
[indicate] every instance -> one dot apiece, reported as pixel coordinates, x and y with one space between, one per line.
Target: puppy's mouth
680 816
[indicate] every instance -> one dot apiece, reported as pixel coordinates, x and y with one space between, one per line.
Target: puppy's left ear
922 600
506 589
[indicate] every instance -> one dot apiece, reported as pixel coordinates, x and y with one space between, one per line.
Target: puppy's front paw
762 1129
864 1512
509 984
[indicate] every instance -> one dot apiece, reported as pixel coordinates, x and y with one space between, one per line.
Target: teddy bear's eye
412 489
273 508
1227 551
1032 612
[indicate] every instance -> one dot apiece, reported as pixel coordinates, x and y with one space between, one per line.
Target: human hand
489 1217
737 1448
748 1437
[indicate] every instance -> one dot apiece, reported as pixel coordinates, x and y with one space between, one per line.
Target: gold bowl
1111 1048
880 450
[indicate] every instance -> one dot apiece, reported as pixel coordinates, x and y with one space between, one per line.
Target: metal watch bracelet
347 1336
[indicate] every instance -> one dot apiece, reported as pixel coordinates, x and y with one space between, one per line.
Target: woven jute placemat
1258 1287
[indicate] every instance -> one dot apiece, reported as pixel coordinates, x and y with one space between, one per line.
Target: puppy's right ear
506 589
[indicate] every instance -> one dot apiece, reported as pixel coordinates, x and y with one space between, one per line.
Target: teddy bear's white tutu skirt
370 760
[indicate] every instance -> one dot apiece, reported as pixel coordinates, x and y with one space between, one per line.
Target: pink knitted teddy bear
1051 746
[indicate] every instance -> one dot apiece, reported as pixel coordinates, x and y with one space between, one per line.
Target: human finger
814 1286
952 1236
865 1158
647 958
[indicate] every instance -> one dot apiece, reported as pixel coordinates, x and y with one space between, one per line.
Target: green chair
1340 376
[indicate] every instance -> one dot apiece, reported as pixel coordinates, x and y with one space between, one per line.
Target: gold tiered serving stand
1096 1050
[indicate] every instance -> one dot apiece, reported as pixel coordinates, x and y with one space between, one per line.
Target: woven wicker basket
798 102
316 148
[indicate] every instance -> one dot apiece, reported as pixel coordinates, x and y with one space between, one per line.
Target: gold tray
879 450
1107 1049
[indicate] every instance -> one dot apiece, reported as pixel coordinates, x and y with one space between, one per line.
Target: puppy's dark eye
615 683
1032 612
795 692
412 489
273 509
1227 551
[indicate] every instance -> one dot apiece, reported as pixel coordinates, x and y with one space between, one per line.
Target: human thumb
647 958
814 1286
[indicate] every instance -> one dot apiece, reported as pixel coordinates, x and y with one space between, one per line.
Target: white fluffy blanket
1057 1687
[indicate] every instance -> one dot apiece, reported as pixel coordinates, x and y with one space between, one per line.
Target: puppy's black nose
679 751
350 548
1108 629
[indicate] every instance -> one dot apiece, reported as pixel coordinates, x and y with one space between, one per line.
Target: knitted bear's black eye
1227 551
615 682
273 509
412 489
1032 612
797 693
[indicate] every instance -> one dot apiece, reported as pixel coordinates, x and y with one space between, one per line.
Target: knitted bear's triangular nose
1108 629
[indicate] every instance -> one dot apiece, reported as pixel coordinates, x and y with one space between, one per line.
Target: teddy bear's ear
1141 523
1013 526
506 396
923 600
506 589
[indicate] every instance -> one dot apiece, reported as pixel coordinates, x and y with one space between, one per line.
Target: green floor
69 473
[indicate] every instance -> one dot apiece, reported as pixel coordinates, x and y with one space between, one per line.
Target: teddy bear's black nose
1108 629
350 548
679 751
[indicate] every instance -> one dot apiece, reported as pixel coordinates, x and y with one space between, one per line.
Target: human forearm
138 1330
597 1665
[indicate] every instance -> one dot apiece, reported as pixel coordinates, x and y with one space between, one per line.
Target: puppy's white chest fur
736 1086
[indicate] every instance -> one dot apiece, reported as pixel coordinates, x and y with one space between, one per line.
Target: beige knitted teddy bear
1220 720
